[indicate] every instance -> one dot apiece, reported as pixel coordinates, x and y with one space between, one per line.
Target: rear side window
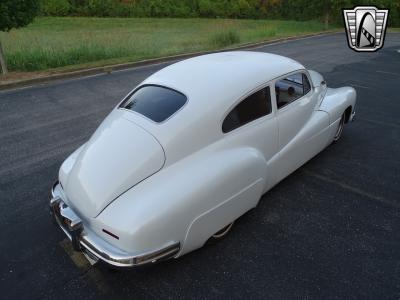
155 102
253 107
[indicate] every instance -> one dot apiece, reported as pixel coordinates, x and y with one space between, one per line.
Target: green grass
58 42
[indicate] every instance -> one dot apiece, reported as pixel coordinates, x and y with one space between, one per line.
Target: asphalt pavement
331 230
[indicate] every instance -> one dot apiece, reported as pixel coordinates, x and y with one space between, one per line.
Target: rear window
155 102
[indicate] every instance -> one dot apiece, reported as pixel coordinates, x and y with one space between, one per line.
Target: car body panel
312 137
118 147
185 191
316 78
179 181
337 100
225 212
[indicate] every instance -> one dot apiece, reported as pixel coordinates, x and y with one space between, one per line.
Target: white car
190 150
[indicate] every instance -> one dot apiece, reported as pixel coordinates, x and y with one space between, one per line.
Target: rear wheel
339 130
220 234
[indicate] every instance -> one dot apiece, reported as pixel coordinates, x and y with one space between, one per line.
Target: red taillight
112 234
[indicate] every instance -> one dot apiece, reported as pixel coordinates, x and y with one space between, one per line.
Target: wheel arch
347 114
337 101
209 222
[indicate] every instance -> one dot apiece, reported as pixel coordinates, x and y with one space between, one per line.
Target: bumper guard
95 248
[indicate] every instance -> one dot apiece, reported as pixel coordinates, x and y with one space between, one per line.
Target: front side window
253 107
155 102
291 88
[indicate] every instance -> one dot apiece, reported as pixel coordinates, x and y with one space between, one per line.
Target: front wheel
339 130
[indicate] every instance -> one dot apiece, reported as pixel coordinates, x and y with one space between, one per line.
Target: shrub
101 8
210 8
55 7
225 38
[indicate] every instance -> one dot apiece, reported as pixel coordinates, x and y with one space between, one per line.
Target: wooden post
3 65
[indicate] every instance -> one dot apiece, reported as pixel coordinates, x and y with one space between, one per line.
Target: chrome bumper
352 116
95 248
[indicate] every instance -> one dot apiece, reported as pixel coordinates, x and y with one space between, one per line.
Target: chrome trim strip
95 247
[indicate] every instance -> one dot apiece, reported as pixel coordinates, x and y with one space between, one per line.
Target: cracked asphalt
330 230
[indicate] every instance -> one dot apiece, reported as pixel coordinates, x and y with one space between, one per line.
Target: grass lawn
79 42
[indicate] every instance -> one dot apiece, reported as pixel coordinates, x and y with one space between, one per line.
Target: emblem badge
365 27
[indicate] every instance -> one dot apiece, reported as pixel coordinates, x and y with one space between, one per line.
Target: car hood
118 156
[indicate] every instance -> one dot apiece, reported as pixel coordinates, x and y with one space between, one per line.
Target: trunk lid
118 156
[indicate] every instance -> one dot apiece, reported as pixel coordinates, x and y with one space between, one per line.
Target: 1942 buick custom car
190 150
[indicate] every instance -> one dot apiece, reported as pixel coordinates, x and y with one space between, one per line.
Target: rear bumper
95 249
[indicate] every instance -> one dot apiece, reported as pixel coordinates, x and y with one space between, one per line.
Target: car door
295 104
252 122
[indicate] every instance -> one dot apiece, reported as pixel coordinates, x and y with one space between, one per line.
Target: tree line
19 13
328 11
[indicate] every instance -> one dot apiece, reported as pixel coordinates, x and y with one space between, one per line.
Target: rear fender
209 222
186 202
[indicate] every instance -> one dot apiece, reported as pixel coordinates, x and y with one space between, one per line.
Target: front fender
186 202
336 101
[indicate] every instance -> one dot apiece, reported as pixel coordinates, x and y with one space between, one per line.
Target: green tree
15 14
55 7
330 10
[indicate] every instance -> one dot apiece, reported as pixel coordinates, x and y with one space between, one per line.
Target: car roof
213 83
219 79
